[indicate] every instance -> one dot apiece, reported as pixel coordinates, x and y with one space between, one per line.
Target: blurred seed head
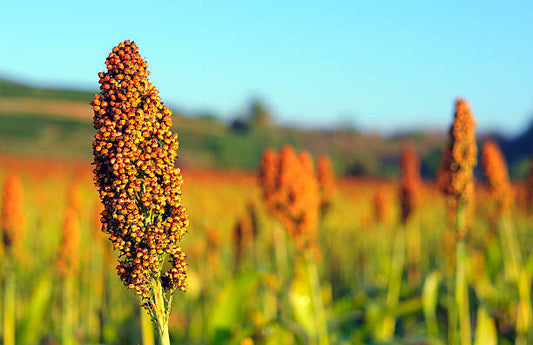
326 182
291 193
495 170
68 256
383 204
12 220
458 162
411 182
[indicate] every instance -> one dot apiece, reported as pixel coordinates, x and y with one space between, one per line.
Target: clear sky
382 65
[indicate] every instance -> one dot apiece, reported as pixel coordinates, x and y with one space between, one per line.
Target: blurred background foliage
58 123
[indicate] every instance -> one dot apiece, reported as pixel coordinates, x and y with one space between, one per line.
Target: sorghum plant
291 193
502 193
139 185
406 238
12 227
67 264
457 180
458 164
290 190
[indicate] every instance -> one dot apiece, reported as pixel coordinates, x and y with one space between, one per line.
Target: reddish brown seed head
134 166
326 182
495 170
69 249
12 219
383 204
459 161
410 183
290 190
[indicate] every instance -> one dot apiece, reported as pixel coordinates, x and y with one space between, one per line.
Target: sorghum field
380 280
288 254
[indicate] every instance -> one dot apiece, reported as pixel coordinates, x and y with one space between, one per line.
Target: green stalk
94 292
414 253
511 250
452 313
519 274
320 314
461 295
430 296
160 312
147 328
282 266
461 286
523 317
67 333
9 302
395 282
280 249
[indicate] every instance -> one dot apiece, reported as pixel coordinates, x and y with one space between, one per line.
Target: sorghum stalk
12 226
386 332
495 169
67 265
410 188
405 238
9 303
139 185
96 278
457 180
147 327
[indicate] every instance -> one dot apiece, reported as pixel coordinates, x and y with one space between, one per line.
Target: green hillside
13 89
204 141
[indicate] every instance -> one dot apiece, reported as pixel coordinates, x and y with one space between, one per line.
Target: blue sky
383 65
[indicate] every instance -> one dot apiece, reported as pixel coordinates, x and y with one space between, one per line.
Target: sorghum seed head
495 170
68 255
459 161
410 183
139 185
290 190
383 204
12 218
326 182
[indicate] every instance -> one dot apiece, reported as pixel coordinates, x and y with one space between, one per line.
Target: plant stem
394 286
320 314
452 313
461 295
147 328
68 317
9 303
160 312
461 285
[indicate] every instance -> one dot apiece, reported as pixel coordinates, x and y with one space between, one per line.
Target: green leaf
486 333
36 309
301 299
430 297
230 307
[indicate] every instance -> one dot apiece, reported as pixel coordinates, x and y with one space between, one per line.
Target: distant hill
58 123
14 89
